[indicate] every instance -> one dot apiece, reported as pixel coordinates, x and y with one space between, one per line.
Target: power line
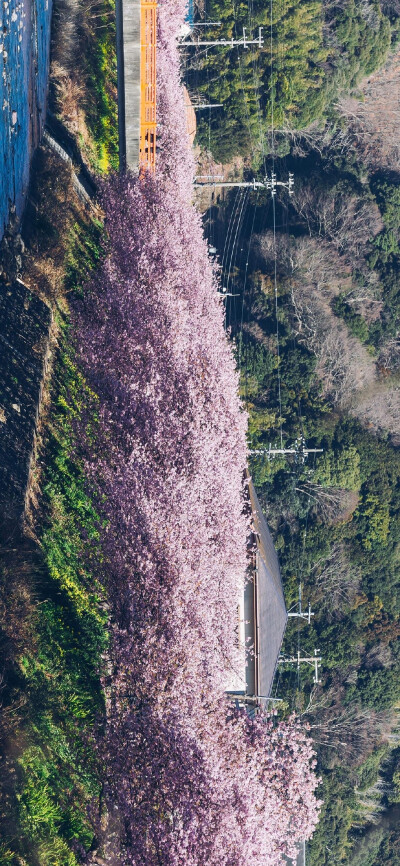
245 279
238 228
269 183
230 230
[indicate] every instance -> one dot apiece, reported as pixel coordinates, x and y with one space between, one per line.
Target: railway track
136 63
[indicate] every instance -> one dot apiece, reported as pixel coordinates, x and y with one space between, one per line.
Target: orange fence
148 37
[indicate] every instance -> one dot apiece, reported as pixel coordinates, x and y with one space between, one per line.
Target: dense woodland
312 52
319 358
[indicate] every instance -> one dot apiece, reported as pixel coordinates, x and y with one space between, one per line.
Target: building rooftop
265 605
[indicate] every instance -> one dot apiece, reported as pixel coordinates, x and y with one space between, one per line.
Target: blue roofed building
190 13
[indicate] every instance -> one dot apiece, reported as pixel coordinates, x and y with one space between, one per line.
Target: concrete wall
128 59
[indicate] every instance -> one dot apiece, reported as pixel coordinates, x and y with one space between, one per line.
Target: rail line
137 90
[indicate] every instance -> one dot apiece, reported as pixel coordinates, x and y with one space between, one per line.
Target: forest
312 306
313 52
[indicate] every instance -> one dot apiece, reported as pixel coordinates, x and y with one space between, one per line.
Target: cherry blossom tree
192 779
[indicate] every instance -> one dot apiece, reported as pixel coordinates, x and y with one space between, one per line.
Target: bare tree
391 8
336 582
374 121
351 733
345 220
369 13
389 356
315 274
379 407
379 656
332 504
315 137
318 275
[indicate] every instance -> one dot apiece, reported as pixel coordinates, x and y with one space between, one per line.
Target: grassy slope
53 615
59 773
53 619
83 82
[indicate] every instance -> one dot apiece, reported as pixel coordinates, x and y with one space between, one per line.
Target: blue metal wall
24 66
190 12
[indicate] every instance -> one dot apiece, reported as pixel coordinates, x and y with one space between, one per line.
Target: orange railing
148 37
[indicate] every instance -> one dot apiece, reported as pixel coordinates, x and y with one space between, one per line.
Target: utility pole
298 450
199 107
264 698
252 701
208 177
314 661
270 183
196 103
245 698
300 613
244 42
226 294
214 181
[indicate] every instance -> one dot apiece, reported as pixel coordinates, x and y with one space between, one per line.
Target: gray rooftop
271 613
268 603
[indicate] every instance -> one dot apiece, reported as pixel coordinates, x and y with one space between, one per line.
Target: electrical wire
235 240
229 254
245 283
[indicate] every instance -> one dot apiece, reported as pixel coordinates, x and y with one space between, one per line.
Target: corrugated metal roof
128 63
271 616
265 543
271 612
301 857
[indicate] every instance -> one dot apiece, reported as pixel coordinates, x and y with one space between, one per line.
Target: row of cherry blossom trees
190 779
